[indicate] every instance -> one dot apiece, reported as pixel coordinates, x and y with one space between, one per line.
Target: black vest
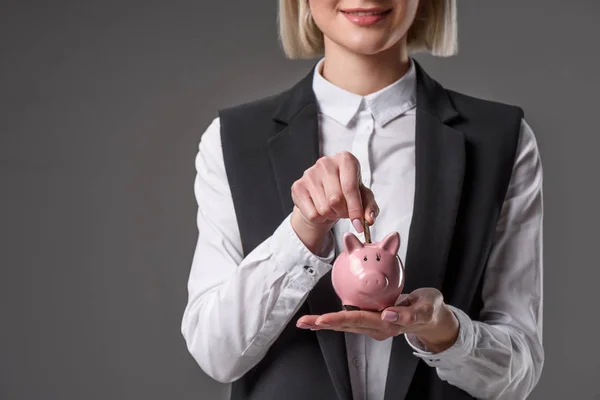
465 149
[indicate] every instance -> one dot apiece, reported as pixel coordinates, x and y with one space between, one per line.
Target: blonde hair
433 30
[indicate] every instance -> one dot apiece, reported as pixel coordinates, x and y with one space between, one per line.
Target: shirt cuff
292 255
452 356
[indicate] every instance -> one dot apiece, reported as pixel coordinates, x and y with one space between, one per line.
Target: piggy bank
368 276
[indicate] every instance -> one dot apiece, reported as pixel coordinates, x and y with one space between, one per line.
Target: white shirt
238 306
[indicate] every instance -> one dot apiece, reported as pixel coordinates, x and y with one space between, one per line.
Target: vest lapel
440 164
293 150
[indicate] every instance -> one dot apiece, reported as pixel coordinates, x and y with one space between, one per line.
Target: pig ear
351 242
391 242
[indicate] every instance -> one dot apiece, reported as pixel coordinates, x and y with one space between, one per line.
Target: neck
364 74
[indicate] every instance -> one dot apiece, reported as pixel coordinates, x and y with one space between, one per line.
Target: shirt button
309 270
357 363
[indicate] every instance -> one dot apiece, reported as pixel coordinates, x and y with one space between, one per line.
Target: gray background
102 105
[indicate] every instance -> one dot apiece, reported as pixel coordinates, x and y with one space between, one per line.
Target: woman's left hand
422 312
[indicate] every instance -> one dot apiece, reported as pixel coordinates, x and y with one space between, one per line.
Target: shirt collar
385 105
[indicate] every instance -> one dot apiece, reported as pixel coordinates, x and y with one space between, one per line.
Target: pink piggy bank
368 276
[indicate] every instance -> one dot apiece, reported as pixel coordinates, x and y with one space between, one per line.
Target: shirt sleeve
501 356
237 306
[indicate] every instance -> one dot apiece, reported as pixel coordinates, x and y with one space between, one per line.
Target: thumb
369 204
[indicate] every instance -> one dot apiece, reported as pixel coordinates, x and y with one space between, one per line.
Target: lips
365 10
366 16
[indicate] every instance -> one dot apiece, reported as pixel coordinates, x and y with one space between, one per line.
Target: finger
369 204
420 311
302 200
357 319
423 303
308 320
423 311
330 213
349 181
333 190
401 316
314 185
405 300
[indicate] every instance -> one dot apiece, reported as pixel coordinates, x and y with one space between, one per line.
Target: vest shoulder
476 108
246 126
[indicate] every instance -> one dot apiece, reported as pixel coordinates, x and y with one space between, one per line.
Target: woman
367 135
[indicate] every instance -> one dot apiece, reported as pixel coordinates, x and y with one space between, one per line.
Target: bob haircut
433 30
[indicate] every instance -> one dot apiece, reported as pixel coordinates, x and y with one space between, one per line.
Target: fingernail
372 214
390 316
303 325
357 225
321 323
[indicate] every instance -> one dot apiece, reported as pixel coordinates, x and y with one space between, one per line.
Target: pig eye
378 257
365 258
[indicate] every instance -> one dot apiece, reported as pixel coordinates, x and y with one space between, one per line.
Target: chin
366 48
367 43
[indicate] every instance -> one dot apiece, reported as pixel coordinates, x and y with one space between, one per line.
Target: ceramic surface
368 276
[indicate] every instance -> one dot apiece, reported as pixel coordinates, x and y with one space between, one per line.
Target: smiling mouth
366 12
365 17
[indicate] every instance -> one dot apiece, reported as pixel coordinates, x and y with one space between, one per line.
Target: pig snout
373 281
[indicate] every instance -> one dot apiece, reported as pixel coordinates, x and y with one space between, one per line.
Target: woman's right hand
329 190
